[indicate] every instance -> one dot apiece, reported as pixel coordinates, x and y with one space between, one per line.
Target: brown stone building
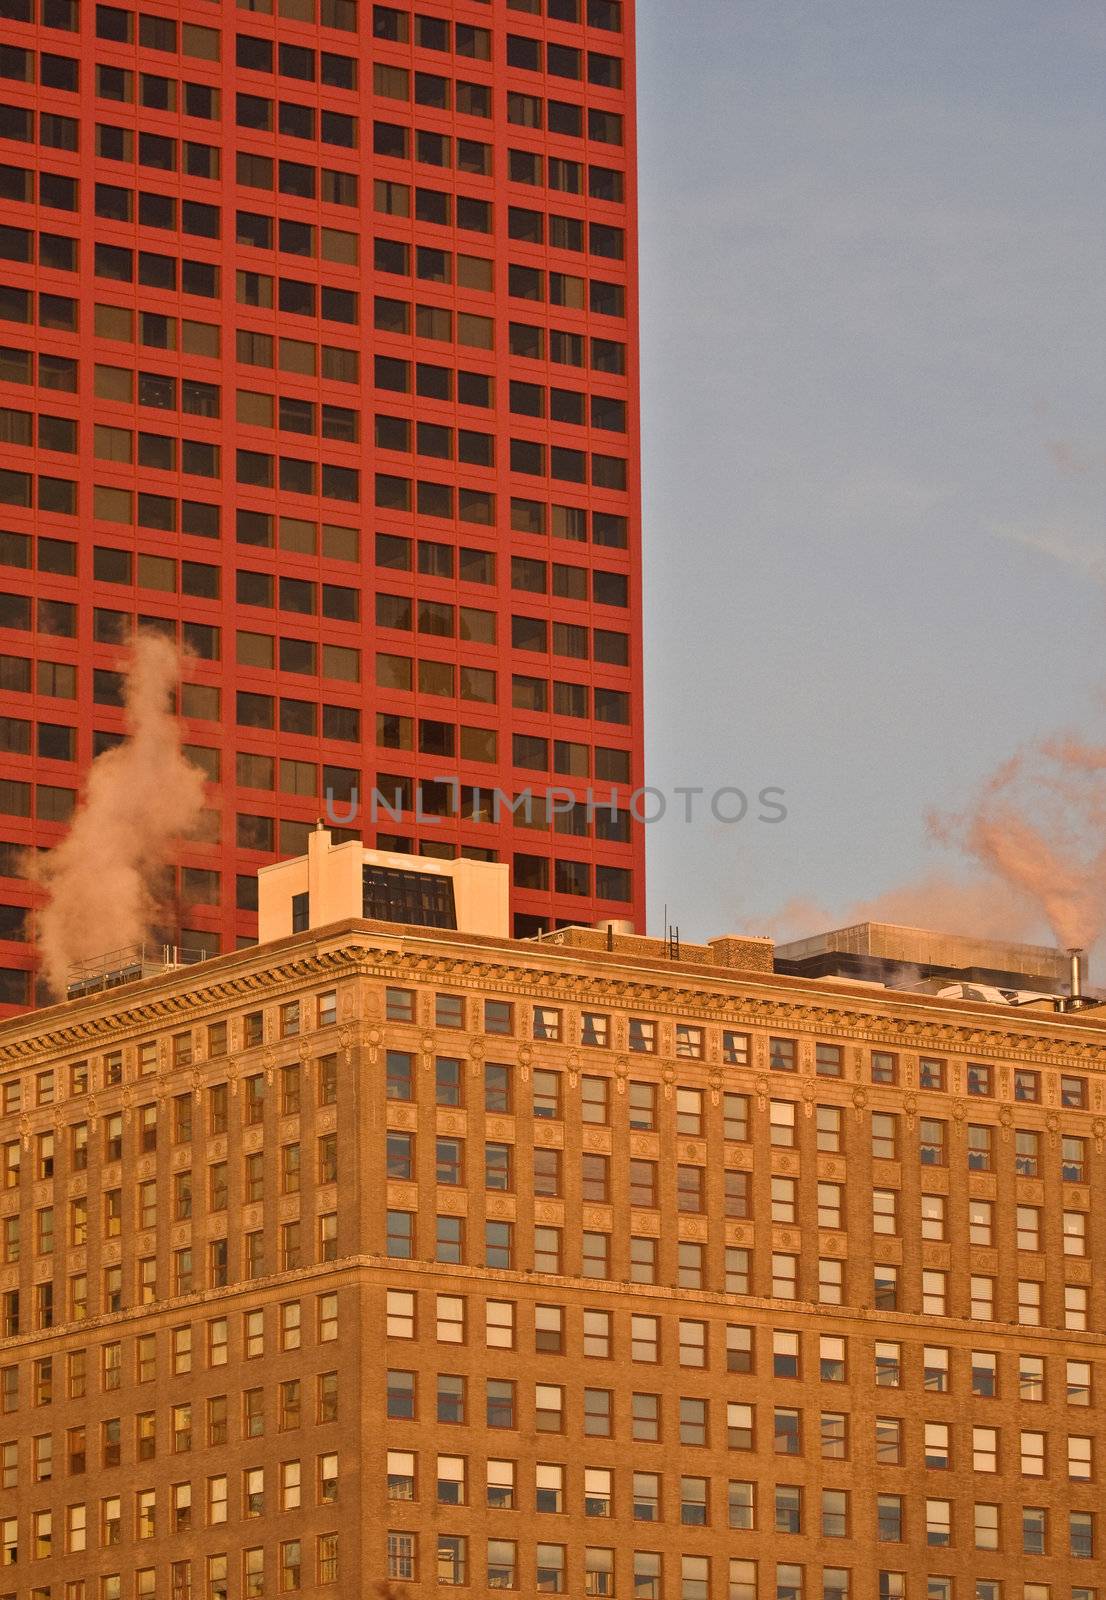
470 1262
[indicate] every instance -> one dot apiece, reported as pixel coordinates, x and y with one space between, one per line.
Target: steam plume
973 906
1038 825
102 878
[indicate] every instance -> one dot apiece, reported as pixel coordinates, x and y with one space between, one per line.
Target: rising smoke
1038 825
1036 832
102 880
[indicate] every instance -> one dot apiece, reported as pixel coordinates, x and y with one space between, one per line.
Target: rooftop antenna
673 939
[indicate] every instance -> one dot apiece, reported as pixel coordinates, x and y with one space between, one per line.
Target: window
889 1518
689 1042
735 1117
980 1148
783 1055
984 1373
885 1067
642 1036
827 1123
1028 1223
936 1445
835 1513
787 1433
888 1364
931 1073
979 1079
785 1354
1078 1376
689 1112
885 1209
1073 1159
547 1093
501 1485
1081 1536
1080 1458
1074 1228
781 1120
931 1141
889 1441
884 1136
835 1438
1034 1529
785 1273
549 1487
1027 1153
984 1450
981 1305
1075 1306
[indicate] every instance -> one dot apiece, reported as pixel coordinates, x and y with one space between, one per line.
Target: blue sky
874 388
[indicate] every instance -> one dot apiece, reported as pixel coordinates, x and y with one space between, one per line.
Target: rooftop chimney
1075 990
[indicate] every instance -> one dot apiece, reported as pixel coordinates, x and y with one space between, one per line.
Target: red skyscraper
318 351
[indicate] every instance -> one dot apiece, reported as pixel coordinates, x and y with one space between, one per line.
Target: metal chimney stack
1075 990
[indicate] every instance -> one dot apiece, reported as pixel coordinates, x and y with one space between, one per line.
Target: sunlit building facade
392 1254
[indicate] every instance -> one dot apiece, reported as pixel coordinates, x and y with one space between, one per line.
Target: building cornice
544 974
